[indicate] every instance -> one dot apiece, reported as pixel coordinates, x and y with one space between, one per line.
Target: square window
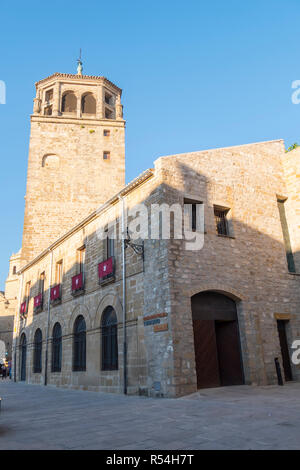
108 98
221 220
49 95
106 155
106 133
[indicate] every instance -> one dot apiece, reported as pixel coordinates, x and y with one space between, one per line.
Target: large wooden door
216 341
281 326
229 356
207 367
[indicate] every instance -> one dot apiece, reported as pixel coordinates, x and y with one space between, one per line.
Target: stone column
100 100
56 99
119 108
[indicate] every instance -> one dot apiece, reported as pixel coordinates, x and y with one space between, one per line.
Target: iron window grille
79 345
37 352
109 339
56 348
221 221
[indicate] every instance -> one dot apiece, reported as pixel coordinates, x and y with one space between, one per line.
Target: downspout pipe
48 320
124 298
17 327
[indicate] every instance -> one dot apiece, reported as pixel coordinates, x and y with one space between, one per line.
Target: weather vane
79 64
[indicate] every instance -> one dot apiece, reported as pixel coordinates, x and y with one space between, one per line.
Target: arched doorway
23 351
216 339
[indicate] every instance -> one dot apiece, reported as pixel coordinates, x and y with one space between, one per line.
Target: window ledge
55 302
76 293
108 280
38 310
226 236
293 274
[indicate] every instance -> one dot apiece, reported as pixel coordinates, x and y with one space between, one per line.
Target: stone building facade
153 316
8 307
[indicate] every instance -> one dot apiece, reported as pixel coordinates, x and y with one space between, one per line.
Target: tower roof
77 77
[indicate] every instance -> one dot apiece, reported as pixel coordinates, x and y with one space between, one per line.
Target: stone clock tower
76 155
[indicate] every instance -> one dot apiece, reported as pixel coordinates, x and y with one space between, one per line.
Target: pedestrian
3 372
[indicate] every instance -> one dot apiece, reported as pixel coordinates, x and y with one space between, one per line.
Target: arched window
88 104
109 326
37 351
69 102
79 345
56 348
22 356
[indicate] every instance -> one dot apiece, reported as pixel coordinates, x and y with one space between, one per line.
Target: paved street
242 417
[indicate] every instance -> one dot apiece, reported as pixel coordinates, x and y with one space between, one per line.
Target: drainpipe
48 321
17 328
124 298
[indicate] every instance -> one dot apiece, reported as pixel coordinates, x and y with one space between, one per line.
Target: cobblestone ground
243 417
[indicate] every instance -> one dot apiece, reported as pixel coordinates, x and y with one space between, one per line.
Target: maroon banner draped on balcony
38 300
23 308
55 292
77 282
106 268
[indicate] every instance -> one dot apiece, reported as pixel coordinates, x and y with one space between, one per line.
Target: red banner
55 292
38 300
23 308
106 268
77 282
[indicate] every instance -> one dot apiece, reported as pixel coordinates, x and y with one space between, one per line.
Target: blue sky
195 75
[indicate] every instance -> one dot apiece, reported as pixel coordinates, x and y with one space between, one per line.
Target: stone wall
249 266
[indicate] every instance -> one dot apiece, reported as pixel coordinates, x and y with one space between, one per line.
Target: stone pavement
241 417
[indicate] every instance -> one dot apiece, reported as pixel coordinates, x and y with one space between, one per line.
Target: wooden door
229 354
207 368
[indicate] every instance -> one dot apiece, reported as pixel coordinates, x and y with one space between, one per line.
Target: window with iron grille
37 351
221 221
79 344
109 335
56 348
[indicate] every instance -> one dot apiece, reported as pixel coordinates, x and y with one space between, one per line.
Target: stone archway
216 340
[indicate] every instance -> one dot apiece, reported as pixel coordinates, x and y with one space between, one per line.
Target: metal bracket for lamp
138 249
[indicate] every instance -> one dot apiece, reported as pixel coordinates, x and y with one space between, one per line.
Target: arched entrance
22 352
216 339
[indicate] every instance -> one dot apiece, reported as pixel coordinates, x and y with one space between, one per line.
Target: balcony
77 285
38 303
24 309
106 271
55 295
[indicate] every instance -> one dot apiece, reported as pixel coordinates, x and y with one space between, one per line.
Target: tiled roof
77 77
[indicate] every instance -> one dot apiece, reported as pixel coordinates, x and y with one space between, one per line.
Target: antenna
79 64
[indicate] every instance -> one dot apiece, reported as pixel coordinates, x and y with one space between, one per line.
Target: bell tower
76 155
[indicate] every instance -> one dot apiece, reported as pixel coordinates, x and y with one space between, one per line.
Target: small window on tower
15 270
49 95
106 133
108 99
106 155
